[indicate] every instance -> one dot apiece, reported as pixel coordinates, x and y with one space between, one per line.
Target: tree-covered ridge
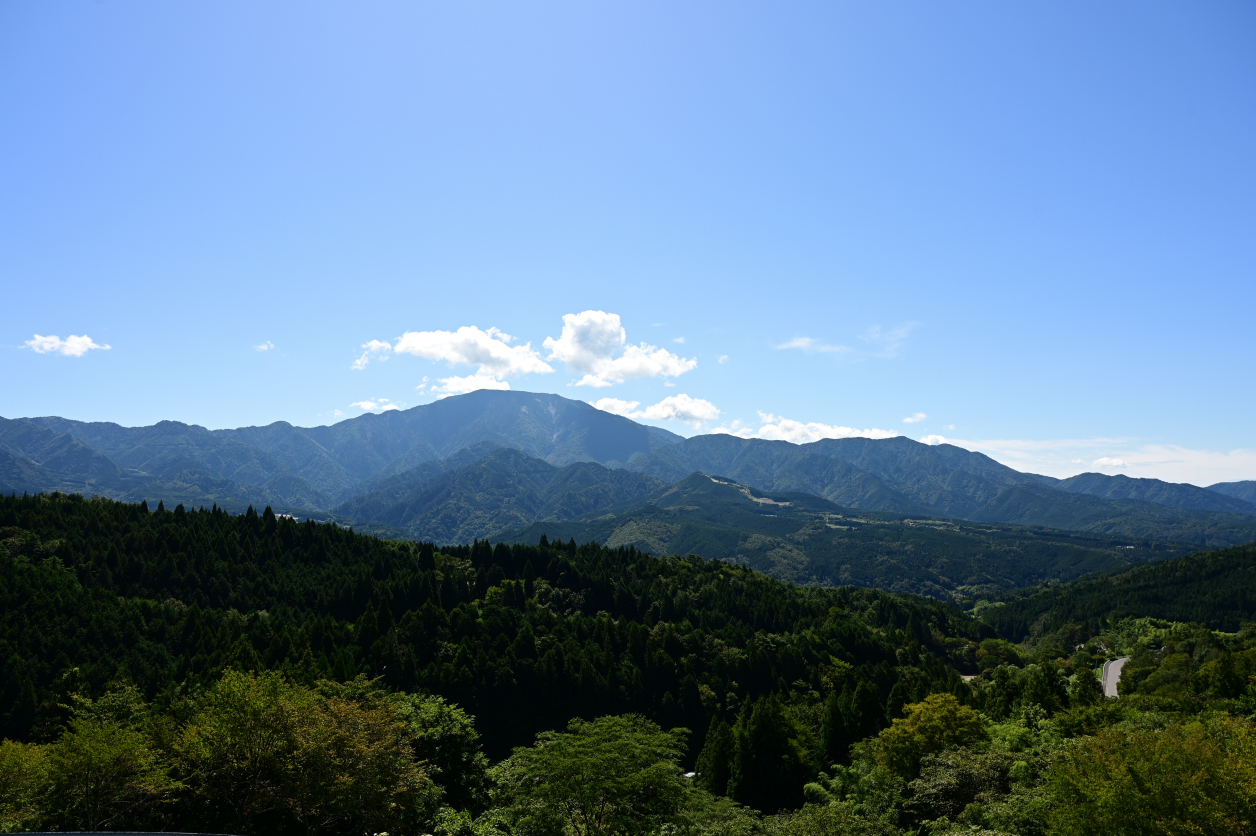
805 539
522 637
394 472
1216 588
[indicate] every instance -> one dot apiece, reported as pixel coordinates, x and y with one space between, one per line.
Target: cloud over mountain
589 342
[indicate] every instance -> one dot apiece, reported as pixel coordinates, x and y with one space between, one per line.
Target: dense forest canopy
1216 588
199 670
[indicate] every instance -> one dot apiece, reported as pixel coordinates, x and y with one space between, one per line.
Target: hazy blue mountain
485 489
774 466
1245 491
905 476
1153 490
806 539
1030 505
364 465
57 461
195 462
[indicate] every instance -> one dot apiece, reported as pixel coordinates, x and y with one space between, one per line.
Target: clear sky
1028 228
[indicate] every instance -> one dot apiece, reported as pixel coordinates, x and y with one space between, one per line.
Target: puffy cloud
933 439
617 406
381 404
588 344
777 428
375 348
1109 461
723 359
489 350
446 386
915 419
71 346
693 411
266 346
680 340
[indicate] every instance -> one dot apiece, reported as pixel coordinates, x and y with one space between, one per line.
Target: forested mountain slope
1216 588
805 539
1245 491
486 489
904 476
314 470
1155 491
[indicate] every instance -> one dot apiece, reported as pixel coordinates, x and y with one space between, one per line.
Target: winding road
1112 675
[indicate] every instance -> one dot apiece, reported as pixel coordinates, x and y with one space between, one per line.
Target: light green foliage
102 771
105 768
1197 778
267 749
615 775
937 723
23 773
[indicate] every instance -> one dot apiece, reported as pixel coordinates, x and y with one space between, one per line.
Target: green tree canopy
939 722
612 776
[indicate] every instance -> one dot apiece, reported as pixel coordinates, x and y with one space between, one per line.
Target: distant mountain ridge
803 538
442 470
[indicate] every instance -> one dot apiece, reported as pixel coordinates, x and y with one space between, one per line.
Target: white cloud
71 346
949 427
489 350
266 346
1077 461
693 411
1109 461
723 359
446 386
336 413
589 341
809 345
381 404
680 340
617 406
375 348
933 439
777 428
915 419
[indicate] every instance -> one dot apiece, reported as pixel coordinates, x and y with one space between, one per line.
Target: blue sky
1033 225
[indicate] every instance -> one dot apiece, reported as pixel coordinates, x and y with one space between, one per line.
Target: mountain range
489 463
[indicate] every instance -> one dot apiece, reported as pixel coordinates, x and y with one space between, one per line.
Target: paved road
1112 675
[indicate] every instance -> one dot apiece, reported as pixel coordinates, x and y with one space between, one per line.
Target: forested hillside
523 637
1216 589
805 539
198 670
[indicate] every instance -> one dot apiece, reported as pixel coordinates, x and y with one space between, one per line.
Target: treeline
1216 588
524 638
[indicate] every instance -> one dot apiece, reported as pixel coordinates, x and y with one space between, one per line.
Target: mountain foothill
512 466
